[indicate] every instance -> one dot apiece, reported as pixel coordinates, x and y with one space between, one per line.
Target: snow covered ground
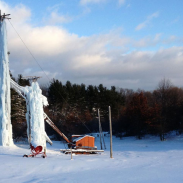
139 161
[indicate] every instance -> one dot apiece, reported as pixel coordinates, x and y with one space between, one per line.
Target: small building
85 142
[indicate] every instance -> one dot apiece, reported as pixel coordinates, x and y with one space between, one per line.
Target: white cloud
147 21
154 15
149 41
58 19
87 61
157 37
85 2
128 6
121 2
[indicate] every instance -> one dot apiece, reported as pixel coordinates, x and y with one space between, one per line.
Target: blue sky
126 43
104 15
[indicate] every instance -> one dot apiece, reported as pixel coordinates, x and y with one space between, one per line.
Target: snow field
140 161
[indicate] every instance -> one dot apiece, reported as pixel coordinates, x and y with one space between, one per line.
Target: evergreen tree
18 110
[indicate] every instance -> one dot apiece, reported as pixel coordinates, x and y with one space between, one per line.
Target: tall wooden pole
102 136
71 152
110 125
99 129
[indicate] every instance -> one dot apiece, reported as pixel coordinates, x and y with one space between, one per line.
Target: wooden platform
81 151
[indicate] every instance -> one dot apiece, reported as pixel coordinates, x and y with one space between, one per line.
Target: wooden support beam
110 126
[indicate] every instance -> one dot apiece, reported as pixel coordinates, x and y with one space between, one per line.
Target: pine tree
18 110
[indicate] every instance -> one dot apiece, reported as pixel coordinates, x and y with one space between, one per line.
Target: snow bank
5 103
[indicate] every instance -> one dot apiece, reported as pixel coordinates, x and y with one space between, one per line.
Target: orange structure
84 142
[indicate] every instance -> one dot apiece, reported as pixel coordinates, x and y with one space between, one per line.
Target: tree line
74 109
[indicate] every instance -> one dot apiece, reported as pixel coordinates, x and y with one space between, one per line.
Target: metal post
102 135
100 129
45 151
71 153
110 125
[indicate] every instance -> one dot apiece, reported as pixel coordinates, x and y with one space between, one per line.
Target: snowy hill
140 161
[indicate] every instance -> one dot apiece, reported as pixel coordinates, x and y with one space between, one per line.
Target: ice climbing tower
35 102
5 102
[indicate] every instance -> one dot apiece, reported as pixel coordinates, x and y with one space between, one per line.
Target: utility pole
110 125
100 129
102 135
4 16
